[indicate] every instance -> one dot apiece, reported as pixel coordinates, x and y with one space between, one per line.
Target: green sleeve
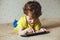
21 23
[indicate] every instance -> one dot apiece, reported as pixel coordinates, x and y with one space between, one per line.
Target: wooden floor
53 25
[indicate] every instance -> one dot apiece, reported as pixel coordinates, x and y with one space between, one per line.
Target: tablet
39 33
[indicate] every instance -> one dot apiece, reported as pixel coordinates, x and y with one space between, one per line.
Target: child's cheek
28 21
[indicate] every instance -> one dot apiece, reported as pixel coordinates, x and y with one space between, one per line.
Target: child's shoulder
22 17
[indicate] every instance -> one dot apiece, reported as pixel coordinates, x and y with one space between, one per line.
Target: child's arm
21 31
26 31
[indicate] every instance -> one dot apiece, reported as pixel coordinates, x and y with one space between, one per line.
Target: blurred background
13 9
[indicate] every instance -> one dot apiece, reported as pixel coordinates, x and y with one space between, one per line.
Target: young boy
30 23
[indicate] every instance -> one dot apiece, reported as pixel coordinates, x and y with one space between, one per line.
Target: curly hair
32 6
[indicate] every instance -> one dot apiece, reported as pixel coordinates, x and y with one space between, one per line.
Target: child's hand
30 30
43 29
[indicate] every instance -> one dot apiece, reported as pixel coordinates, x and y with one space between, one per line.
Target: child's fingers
31 30
43 29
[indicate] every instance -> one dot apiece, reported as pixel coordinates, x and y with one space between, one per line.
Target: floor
53 25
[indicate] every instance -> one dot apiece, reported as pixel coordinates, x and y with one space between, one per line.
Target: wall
12 9
50 8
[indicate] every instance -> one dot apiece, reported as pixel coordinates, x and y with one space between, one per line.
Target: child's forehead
29 17
32 17
31 14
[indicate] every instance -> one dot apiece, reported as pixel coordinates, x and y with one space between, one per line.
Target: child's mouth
31 23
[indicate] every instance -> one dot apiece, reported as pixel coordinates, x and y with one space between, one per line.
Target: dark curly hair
32 6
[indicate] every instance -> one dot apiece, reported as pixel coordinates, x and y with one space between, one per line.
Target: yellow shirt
23 24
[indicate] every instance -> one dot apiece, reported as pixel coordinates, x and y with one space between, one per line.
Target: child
29 23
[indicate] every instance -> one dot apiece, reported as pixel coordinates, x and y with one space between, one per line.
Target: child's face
30 19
